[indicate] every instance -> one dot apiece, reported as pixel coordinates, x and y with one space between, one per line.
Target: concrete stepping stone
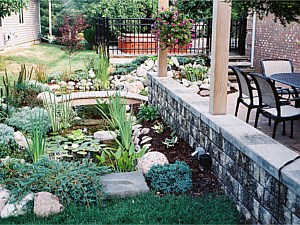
123 185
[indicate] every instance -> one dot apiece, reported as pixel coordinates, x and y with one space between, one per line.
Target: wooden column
219 57
162 54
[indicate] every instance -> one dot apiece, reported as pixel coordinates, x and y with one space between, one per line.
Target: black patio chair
246 95
270 106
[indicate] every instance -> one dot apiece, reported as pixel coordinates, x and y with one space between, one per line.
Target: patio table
291 79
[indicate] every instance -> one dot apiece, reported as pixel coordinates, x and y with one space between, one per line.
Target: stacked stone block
248 176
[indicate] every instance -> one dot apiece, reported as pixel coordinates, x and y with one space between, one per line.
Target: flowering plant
172 29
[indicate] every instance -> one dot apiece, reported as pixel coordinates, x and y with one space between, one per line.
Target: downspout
253 38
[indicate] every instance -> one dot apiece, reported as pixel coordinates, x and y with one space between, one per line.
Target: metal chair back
273 66
266 91
243 82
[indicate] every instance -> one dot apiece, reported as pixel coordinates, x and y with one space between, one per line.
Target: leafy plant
75 183
147 112
7 140
144 92
36 145
170 178
27 118
194 73
124 157
76 135
158 127
171 142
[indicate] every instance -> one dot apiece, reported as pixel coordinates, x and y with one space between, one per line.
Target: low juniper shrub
170 178
22 120
75 183
7 140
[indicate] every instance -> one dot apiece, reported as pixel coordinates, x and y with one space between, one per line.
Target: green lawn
51 56
146 209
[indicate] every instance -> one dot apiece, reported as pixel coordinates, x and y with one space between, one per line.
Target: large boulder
105 136
46 204
20 139
150 159
135 87
17 208
141 72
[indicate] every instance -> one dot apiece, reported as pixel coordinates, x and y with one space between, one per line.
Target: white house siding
15 33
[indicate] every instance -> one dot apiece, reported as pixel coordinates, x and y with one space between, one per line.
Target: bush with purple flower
173 30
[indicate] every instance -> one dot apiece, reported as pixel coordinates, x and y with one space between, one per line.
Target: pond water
77 142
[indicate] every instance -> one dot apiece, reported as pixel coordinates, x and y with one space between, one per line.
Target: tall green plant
36 147
116 110
61 114
101 65
122 158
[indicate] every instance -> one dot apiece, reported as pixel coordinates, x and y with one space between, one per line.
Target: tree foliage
286 11
7 7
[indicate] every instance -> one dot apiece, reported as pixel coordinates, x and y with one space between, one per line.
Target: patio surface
292 143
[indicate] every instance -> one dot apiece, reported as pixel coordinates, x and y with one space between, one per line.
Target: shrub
147 113
75 183
170 178
127 68
22 119
7 140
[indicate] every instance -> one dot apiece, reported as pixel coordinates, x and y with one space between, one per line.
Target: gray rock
205 86
194 88
71 83
175 61
145 140
204 93
135 87
18 208
137 126
4 197
150 63
145 131
20 139
122 185
150 159
46 204
105 136
141 72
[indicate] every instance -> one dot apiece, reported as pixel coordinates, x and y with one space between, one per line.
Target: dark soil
203 181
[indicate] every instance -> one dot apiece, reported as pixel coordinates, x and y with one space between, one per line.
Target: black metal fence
133 37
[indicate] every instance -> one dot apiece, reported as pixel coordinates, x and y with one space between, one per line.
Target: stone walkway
292 143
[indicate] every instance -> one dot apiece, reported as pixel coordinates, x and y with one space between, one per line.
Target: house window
0 22
21 16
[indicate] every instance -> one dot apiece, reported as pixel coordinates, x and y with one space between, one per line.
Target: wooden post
219 57
162 54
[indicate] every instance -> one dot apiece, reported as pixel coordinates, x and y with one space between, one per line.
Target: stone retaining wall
246 161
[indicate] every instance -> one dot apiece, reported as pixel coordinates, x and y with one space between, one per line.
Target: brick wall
245 160
273 40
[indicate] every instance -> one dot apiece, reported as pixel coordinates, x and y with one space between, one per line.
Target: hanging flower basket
173 30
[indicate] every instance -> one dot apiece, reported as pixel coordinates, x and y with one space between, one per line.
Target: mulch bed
203 181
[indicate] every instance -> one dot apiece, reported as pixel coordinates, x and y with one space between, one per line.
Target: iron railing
133 37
